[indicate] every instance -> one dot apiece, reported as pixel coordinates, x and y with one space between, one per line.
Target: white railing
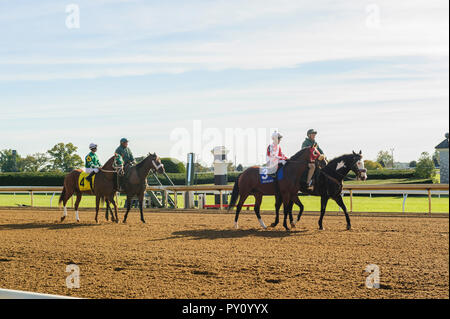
398 189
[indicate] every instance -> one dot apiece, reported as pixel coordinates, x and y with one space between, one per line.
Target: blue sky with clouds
142 69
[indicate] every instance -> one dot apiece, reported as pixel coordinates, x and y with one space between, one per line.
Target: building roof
444 143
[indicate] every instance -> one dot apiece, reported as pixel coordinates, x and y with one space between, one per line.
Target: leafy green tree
172 165
412 164
199 168
63 157
9 161
385 158
425 166
372 165
34 163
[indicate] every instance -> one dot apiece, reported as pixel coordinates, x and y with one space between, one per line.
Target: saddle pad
83 184
265 178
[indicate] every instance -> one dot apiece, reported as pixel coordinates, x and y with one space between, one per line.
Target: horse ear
354 153
360 152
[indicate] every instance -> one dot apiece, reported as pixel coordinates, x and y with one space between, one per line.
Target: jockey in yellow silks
274 155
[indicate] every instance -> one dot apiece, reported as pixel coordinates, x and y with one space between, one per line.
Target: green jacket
126 154
309 142
91 161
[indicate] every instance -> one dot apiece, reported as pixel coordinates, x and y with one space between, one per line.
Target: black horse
136 181
328 184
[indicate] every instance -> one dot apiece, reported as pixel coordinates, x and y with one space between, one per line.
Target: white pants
90 170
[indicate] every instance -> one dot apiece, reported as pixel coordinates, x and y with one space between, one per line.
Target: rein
331 178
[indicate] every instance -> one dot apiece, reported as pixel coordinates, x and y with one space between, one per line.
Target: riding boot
89 178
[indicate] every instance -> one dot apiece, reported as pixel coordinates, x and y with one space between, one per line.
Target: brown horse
104 190
136 181
249 183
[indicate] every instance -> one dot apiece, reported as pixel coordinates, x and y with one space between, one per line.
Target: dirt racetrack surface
201 255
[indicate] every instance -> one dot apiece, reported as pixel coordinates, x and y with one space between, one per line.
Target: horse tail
61 197
235 194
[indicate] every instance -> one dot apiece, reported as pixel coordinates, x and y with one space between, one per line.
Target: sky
175 76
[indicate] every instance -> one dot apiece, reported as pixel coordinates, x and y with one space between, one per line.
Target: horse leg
107 210
286 204
66 198
128 209
302 208
341 204
258 200
115 210
141 207
278 202
77 205
323 207
97 207
291 218
238 209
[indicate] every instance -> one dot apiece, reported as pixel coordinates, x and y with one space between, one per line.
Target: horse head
358 166
158 166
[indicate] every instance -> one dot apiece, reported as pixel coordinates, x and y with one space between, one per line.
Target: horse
136 181
248 183
104 189
328 183
320 163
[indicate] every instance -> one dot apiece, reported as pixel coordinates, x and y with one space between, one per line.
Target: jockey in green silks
124 159
92 163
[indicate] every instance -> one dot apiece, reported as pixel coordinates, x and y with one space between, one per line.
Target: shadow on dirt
198 234
51 226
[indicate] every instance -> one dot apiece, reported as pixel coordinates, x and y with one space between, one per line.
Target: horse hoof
78 220
273 225
293 225
63 218
236 225
143 221
349 227
321 228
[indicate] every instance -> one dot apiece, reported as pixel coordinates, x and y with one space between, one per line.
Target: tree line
61 157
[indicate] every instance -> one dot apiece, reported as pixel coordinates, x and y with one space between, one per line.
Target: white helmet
276 135
92 146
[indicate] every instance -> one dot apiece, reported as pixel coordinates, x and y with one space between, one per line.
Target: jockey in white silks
274 155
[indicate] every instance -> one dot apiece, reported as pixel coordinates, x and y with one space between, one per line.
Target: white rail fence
350 190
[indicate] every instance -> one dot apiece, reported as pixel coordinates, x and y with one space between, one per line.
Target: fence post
221 200
351 201
32 198
176 199
429 201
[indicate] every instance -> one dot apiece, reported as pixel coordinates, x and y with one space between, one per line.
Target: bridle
156 167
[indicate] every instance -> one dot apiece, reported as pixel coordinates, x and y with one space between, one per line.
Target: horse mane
299 154
337 159
138 165
109 163
340 158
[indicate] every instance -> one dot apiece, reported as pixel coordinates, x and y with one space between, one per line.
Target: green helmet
123 140
311 131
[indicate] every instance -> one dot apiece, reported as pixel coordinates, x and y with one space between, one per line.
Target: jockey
314 154
275 156
124 151
118 166
310 140
92 163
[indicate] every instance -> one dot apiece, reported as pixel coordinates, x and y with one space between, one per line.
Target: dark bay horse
104 190
329 183
136 181
249 183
